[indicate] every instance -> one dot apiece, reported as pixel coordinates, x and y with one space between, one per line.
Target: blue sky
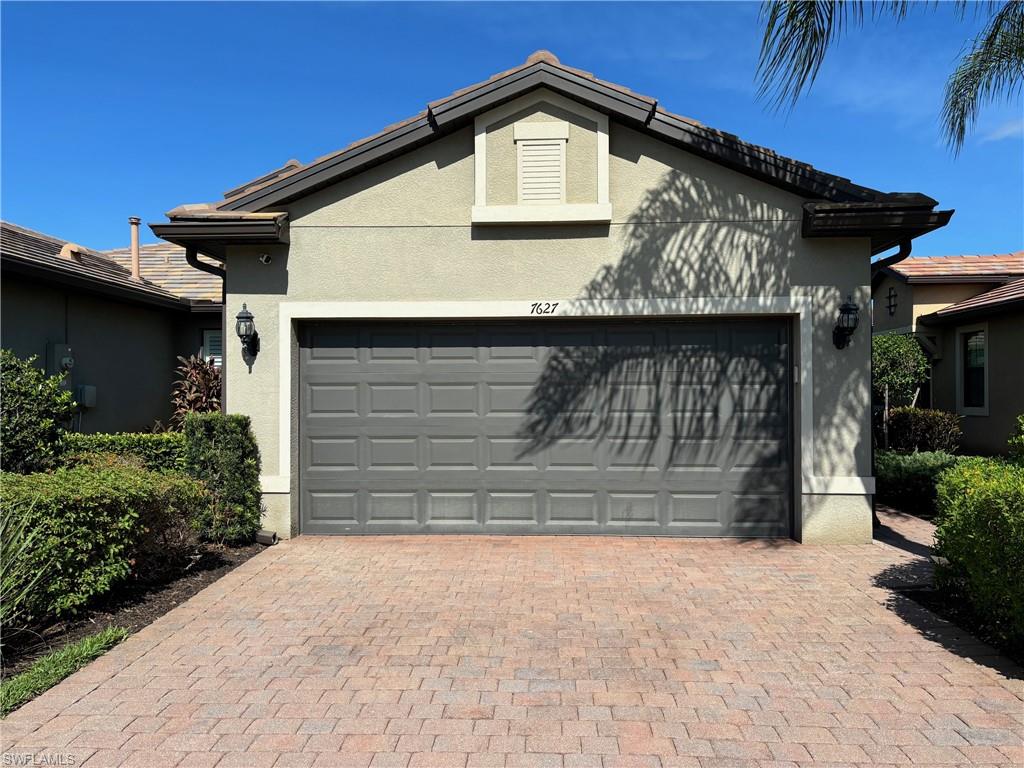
118 109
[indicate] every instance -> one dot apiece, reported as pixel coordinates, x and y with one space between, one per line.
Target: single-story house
545 304
968 314
164 264
116 330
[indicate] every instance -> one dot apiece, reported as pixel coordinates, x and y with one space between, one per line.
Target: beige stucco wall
933 297
903 318
985 434
682 227
127 351
916 300
580 155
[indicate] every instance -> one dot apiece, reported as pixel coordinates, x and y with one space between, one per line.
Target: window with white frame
972 371
540 154
213 345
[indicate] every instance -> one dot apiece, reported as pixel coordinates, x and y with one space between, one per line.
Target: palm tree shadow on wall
690 237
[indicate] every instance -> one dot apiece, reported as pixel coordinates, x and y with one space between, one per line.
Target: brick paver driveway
541 652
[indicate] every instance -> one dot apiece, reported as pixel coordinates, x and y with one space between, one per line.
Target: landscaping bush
197 389
157 451
907 481
93 526
19 575
1015 444
980 534
923 429
221 451
33 410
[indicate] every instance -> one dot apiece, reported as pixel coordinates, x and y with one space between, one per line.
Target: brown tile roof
292 167
164 264
1011 293
987 268
30 249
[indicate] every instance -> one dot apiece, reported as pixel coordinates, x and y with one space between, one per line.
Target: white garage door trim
800 306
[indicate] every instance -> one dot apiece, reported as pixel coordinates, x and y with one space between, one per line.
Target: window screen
974 369
213 345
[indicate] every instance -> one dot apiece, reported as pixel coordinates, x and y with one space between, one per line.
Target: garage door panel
512 508
453 453
393 453
620 427
509 453
448 507
578 507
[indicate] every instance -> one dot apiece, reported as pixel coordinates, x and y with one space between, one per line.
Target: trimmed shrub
33 410
157 451
898 367
221 451
1015 444
93 524
923 429
907 480
197 389
980 533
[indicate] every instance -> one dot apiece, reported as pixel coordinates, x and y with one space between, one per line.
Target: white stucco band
800 307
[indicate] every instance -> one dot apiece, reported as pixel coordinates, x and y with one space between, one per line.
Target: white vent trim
530 213
540 162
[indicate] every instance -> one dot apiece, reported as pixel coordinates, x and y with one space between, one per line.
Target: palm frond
992 69
798 34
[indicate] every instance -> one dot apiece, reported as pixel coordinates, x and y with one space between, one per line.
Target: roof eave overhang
87 283
631 109
212 235
962 279
886 224
968 315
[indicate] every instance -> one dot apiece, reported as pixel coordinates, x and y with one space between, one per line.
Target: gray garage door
667 428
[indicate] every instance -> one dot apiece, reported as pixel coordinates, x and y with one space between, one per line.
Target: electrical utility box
59 358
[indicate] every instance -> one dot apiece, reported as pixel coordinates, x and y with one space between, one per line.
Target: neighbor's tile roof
36 249
995 266
164 264
1004 294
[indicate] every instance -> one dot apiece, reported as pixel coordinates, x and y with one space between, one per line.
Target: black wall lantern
846 323
246 330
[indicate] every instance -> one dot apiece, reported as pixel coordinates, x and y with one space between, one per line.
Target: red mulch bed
133 605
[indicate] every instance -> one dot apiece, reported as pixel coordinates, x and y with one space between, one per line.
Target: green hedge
923 429
980 533
157 451
1015 445
92 524
34 409
907 480
221 451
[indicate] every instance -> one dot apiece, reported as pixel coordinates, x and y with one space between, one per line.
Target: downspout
904 252
192 258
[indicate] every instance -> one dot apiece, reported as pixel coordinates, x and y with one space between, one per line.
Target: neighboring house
116 334
968 312
546 305
164 264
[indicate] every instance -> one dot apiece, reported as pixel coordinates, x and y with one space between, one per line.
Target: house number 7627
543 308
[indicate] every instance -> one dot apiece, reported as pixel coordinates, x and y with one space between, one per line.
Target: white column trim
799 306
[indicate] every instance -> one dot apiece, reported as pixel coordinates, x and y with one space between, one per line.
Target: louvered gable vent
541 155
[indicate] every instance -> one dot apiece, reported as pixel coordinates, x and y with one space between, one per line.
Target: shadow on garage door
677 428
